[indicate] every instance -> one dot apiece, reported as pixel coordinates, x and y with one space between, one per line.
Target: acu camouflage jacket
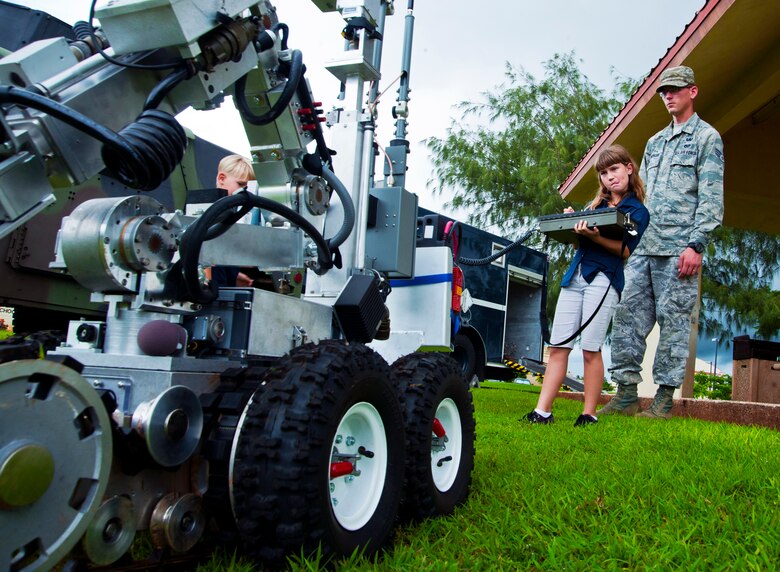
683 177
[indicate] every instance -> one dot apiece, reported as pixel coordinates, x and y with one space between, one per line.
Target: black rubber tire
465 354
426 380
281 479
222 410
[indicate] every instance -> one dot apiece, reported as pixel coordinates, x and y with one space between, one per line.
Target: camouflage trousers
653 293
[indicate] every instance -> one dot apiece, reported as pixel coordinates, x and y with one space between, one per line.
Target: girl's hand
582 228
568 210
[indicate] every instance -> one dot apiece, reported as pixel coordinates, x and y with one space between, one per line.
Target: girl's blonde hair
613 155
237 166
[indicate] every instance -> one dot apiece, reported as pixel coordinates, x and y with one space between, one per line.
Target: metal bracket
299 336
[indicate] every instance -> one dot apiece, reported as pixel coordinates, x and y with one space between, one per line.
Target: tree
737 284
508 169
505 157
712 386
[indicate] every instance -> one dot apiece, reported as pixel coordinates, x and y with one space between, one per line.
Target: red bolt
341 469
438 428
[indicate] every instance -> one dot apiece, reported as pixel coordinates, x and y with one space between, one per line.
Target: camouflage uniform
683 173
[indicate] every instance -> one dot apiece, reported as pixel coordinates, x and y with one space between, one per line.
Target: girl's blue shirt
594 259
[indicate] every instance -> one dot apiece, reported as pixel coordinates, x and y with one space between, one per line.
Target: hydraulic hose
349 209
163 88
224 222
293 80
203 229
142 155
285 33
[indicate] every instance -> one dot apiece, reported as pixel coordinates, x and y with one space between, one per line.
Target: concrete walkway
737 412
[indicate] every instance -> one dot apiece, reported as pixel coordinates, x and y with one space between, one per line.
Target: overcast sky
460 49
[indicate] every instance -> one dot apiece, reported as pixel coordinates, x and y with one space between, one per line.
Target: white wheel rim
354 498
445 463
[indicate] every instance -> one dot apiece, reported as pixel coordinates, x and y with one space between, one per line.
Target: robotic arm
65 121
68 111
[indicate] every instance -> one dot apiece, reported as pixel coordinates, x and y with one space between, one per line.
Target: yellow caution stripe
515 366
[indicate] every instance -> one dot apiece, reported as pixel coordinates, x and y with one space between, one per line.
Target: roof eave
701 24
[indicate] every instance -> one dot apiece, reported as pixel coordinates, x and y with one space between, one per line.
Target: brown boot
623 402
661 406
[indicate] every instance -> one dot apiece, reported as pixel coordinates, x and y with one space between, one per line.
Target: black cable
293 80
109 59
141 156
496 255
295 84
543 319
322 147
349 209
11 94
227 219
285 32
604 297
198 233
164 87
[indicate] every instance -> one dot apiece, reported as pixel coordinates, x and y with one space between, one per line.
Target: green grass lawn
628 493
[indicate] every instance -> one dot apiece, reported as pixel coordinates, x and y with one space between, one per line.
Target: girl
597 269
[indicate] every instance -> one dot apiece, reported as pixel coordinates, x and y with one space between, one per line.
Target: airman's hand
689 263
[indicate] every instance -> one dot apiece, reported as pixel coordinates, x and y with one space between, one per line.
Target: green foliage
737 278
625 494
504 158
142 546
224 561
712 386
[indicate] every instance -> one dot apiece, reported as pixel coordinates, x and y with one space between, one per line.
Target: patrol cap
680 76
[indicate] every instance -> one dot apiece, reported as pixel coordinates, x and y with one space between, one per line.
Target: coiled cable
151 149
82 30
141 156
